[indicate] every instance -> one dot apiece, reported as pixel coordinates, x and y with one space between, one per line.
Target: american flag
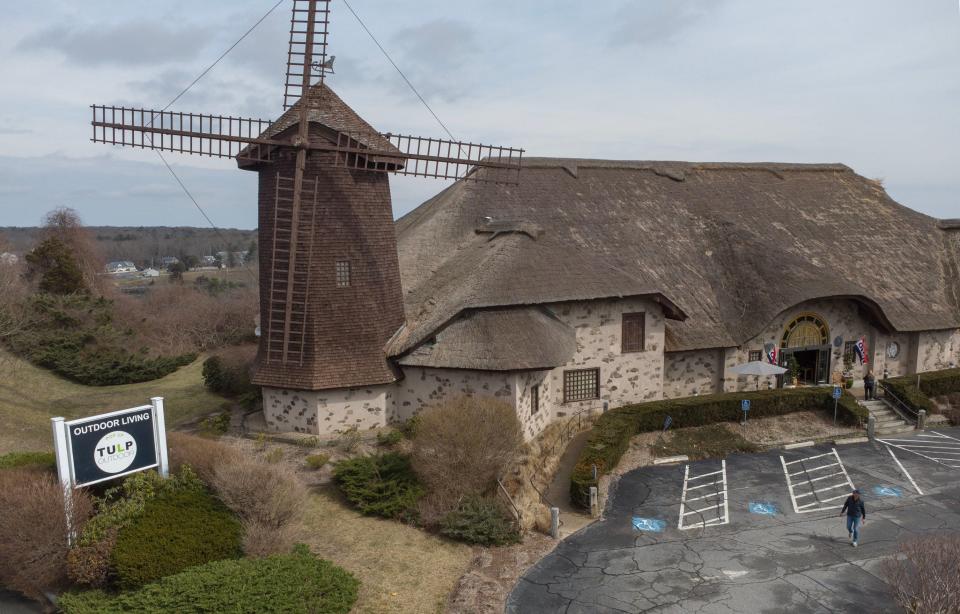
772 355
861 349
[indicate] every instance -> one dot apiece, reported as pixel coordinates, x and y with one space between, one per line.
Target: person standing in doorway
856 516
869 386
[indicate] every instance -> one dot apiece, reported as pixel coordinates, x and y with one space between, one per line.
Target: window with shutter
633 332
535 399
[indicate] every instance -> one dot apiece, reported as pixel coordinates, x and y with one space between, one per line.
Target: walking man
856 516
869 386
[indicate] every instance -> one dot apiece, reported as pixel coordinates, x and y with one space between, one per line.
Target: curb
670 459
799 444
841 442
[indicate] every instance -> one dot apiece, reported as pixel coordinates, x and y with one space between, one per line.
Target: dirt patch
797 426
484 588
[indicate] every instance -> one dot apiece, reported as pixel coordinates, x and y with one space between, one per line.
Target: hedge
37 460
480 521
613 430
294 583
174 532
932 384
380 485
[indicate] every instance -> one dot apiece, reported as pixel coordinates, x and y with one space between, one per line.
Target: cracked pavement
758 563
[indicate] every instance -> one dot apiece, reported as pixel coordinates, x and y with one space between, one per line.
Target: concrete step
906 428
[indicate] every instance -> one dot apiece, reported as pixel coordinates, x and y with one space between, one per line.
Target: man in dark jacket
869 386
856 515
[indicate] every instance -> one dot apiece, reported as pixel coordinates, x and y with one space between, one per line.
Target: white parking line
719 483
933 446
794 485
904 470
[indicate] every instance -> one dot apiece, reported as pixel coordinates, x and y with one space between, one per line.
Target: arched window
806 330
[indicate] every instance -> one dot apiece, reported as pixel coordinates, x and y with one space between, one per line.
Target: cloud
658 21
131 43
436 55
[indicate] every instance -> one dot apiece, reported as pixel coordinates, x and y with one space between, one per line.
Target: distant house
121 266
167 261
150 273
9 259
208 261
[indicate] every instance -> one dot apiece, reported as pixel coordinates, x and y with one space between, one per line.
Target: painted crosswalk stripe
935 446
903 469
718 508
796 485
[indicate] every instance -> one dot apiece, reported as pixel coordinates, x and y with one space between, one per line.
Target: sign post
837 392
745 406
107 446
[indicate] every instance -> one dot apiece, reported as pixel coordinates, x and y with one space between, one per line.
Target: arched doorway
807 338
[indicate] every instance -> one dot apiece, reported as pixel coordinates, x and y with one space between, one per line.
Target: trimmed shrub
295 583
228 372
932 384
217 424
381 485
480 521
89 564
612 431
174 532
33 531
29 460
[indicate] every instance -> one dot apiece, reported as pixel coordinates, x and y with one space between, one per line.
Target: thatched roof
729 246
509 339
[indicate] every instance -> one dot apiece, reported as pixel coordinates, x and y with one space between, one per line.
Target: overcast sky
874 84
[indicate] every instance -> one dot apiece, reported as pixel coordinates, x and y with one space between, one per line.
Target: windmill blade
206 135
307 61
427 157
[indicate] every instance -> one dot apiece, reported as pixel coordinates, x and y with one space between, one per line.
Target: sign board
837 392
667 422
108 446
745 405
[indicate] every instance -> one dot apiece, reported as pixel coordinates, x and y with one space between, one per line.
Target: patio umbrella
758 368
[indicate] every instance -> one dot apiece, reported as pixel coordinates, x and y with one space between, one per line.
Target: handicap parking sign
837 392
745 405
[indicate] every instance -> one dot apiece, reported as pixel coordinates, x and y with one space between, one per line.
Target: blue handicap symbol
887 491
649 524
762 507
745 405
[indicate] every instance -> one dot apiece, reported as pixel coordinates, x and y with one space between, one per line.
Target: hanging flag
861 349
772 355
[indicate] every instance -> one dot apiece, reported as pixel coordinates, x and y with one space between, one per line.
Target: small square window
535 399
755 355
343 273
581 385
632 332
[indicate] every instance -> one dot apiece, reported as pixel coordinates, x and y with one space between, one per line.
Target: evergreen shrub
611 434
297 583
482 521
174 532
380 485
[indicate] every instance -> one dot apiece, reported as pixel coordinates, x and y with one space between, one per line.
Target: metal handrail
900 403
516 510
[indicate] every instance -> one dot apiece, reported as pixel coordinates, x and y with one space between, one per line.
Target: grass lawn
402 569
30 396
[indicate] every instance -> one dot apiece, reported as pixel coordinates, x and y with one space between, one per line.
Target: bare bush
462 446
33 532
923 574
177 319
204 456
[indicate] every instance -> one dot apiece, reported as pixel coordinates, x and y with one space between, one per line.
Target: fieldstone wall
325 412
422 387
938 350
533 423
693 373
624 378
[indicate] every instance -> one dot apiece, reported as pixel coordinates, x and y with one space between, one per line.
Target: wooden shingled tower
330 295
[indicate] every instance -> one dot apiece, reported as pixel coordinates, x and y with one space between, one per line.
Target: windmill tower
330 295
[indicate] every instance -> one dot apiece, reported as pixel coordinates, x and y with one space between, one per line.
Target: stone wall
423 386
938 350
692 373
327 411
624 378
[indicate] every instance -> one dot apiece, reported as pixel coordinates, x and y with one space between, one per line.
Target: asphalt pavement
756 533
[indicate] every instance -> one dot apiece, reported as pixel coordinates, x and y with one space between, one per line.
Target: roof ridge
661 165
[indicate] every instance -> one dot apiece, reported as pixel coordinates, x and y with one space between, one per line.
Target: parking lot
753 533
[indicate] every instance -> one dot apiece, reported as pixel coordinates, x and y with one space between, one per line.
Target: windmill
330 295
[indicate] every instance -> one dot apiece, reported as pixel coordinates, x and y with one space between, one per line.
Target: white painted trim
109 415
903 469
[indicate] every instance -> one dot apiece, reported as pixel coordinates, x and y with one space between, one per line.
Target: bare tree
13 297
923 574
65 225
